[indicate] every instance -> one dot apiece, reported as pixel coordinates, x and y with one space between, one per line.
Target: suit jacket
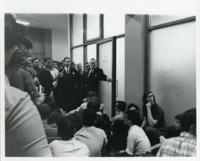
93 79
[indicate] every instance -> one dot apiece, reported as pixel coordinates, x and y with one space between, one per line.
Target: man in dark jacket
94 75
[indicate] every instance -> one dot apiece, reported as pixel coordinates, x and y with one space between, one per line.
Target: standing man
94 75
67 85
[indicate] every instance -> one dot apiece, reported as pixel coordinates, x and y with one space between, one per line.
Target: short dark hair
91 94
134 116
178 117
133 105
121 105
188 118
89 116
65 129
146 94
94 104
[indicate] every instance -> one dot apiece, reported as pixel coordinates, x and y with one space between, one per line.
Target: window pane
172 69
120 74
78 55
105 63
91 52
93 26
77 31
114 24
157 19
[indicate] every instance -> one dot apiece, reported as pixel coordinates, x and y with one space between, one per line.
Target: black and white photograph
100 85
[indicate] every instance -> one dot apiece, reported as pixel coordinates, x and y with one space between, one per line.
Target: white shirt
73 147
25 134
137 141
93 137
54 73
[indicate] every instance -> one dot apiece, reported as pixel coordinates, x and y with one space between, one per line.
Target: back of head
188 121
134 117
91 94
133 106
89 116
65 129
94 104
121 105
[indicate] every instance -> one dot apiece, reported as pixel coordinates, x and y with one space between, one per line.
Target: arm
150 118
25 134
144 122
130 148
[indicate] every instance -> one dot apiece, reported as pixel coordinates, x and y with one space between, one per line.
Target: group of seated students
35 127
88 131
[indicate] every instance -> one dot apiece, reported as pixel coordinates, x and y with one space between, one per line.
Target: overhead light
23 22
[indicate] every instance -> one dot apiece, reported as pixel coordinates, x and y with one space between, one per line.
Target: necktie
90 73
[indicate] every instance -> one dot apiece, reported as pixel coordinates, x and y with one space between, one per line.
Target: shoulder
13 96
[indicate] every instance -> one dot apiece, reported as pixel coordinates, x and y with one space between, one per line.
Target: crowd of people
53 109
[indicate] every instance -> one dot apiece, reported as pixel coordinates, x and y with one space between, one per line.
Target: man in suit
94 75
67 86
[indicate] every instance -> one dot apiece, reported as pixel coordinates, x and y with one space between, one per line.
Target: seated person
185 144
137 141
133 106
153 118
49 126
90 96
93 137
120 108
68 145
173 130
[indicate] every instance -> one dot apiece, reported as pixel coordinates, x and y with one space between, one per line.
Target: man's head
79 67
133 106
149 97
18 58
92 63
91 94
120 106
133 117
188 121
67 61
94 104
89 116
73 65
37 63
177 122
26 45
65 129
87 66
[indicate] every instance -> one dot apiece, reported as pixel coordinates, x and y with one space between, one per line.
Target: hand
148 105
162 139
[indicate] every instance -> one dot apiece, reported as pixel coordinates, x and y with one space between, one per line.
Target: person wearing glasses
153 117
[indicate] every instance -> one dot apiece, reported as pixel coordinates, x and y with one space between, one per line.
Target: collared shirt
25 134
184 145
93 137
73 147
67 69
137 141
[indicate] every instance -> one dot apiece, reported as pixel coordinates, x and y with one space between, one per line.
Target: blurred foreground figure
24 131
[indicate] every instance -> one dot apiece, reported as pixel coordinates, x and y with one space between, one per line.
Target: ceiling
47 21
